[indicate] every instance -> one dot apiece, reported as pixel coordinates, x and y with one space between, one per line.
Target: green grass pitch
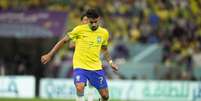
37 99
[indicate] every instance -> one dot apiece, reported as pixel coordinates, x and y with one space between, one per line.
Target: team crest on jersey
99 39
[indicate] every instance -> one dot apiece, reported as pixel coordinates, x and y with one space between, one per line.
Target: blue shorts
95 78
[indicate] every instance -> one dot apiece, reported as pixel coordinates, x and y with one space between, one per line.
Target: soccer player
85 20
90 40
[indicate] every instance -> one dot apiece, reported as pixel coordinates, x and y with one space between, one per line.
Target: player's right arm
47 57
71 35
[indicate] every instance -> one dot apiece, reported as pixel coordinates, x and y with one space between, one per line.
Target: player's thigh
98 80
80 78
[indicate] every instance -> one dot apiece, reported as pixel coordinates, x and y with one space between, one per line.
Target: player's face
85 20
94 23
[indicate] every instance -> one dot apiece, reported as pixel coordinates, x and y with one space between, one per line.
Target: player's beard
93 28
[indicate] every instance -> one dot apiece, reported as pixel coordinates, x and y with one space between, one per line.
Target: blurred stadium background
156 43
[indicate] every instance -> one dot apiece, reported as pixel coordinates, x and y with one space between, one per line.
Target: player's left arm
108 57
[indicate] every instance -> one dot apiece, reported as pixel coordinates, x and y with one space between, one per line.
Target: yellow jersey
88 45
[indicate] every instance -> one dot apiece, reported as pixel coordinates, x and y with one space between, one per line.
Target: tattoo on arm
59 45
106 54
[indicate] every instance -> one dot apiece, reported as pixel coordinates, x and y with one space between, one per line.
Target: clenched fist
46 58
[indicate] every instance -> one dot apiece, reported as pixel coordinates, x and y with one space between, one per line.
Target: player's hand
114 67
46 58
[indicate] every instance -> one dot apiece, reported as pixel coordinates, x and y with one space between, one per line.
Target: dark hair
92 13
